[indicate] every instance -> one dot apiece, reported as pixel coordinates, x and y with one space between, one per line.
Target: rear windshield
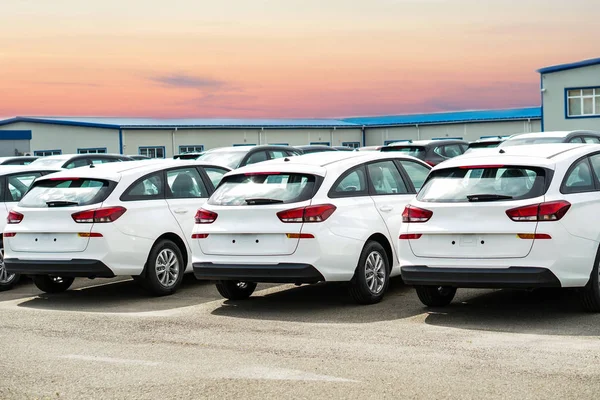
456 185
241 190
66 193
483 145
415 151
50 162
534 140
229 159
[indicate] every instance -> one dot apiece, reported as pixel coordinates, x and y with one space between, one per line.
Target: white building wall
67 138
553 103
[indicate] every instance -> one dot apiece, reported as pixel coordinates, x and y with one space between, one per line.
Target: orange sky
283 58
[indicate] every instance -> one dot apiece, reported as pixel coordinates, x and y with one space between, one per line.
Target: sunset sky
283 58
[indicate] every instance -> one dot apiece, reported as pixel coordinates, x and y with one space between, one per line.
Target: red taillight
14 217
318 213
550 211
415 214
410 236
199 235
9 234
205 217
99 215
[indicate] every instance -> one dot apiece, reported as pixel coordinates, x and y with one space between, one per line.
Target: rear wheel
590 295
371 277
52 284
7 281
164 269
236 290
436 296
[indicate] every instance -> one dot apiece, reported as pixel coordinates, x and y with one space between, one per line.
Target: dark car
432 152
68 161
239 156
315 148
17 160
486 143
578 136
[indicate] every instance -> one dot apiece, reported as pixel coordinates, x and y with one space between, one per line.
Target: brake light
199 235
318 213
412 214
410 236
14 217
205 217
99 215
550 211
9 234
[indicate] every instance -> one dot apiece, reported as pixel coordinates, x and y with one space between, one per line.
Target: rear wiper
260 200
488 197
61 203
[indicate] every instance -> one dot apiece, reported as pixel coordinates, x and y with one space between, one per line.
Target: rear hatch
462 212
249 210
47 223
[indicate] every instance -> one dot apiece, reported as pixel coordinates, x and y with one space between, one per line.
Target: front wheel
372 275
7 280
436 296
236 290
52 284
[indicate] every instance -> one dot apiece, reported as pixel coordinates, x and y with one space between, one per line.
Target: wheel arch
385 243
179 242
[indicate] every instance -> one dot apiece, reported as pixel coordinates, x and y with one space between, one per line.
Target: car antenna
502 151
92 166
286 159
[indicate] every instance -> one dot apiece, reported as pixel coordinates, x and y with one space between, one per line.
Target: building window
92 151
44 153
152 151
354 145
196 148
320 143
583 102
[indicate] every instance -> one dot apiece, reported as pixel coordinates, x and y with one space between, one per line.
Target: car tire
436 296
7 281
235 290
52 284
590 294
372 275
164 269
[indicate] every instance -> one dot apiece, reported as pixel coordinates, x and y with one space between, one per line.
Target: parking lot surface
107 339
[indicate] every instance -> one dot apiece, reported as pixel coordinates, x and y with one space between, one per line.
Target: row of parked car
518 215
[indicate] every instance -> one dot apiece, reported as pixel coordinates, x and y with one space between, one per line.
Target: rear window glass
414 151
66 193
229 159
457 185
483 145
241 190
538 140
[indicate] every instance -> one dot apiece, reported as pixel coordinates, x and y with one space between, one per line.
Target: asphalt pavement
107 339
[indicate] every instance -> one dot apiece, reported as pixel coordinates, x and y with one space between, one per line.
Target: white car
320 217
14 183
69 161
516 217
131 218
578 136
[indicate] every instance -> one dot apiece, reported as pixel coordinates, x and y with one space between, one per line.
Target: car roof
427 142
12 169
552 134
248 148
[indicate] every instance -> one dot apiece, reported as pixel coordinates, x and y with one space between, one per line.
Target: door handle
180 211
386 208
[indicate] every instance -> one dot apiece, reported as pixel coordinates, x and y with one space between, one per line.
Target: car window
80 162
452 150
576 139
416 172
185 183
277 154
591 139
19 184
293 152
353 182
215 174
147 188
257 157
59 193
579 179
386 178
103 160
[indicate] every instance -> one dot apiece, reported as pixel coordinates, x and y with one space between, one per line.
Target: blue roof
450 117
565 67
216 123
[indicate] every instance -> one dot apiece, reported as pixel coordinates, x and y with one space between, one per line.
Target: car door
186 192
390 193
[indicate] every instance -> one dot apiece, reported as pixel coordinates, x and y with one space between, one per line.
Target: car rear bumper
512 277
66 268
271 273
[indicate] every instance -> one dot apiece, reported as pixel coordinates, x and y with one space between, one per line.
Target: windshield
264 188
66 192
230 159
415 151
49 162
457 185
533 140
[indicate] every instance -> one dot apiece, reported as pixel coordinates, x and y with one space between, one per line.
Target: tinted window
63 193
103 160
215 174
416 172
278 154
230 159
415 151
386 178
452 150
185 183
595 159
576 139
353 182
241 190
579 179
80 162
591 139
257 157
147 188
19 184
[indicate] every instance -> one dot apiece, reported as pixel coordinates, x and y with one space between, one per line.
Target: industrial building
570 98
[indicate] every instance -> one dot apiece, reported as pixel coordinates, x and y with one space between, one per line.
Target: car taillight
550 211
9 234
410 236
205 217
318 213
413 214
430 163
14 217
99 215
